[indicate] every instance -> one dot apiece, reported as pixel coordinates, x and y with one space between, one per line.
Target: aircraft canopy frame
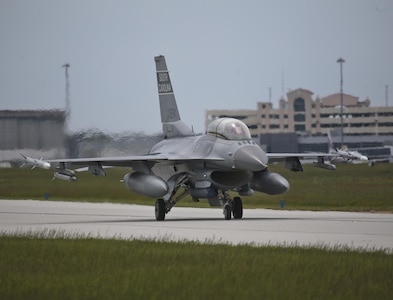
229 129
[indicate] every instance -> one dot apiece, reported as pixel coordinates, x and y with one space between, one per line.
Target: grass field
52 266
86 268
350 187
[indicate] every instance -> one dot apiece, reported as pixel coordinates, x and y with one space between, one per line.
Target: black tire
237 208
160 210
227 212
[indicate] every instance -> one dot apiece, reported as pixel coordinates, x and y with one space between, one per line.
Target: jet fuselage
225 163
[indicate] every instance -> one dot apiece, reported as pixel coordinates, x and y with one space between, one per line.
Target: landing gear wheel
237 208
160 210
227 212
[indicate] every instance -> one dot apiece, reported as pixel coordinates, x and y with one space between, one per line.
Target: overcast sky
220 54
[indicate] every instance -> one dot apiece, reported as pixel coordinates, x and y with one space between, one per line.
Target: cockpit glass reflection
229 129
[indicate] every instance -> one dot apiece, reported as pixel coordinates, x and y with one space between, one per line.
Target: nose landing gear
234 207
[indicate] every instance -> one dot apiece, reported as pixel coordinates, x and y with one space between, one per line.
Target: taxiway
371 231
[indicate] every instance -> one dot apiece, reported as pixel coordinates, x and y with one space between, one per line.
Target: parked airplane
206 166
343 154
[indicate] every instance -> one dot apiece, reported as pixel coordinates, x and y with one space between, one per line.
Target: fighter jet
343 154
205 166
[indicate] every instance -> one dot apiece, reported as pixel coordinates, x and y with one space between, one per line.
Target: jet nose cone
363 158
251 158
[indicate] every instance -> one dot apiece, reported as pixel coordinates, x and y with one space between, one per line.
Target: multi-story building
303 115
304 122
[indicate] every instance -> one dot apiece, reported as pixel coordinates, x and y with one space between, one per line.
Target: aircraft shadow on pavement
173 220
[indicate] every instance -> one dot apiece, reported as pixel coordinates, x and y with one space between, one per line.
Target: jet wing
118 161
292 160
96 165
276 157
128 161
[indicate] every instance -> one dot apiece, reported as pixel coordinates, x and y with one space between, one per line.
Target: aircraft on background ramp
343 154
205 166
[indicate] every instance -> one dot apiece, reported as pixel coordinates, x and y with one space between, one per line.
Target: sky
221 54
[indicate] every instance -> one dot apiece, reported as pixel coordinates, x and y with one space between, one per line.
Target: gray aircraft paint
172 126
206 166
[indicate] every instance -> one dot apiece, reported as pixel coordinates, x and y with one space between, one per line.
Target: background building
43 134
305 122
35 133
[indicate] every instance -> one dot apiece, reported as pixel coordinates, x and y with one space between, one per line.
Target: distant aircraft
343 154
207 166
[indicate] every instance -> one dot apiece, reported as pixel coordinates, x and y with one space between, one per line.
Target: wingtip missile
363 158
35 162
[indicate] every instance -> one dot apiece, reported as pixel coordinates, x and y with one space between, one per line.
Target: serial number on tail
165 88
164 83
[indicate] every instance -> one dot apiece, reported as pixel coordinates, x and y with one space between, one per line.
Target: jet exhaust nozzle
145 184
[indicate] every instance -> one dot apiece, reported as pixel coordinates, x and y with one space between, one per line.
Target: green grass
87 268
350 187
55 266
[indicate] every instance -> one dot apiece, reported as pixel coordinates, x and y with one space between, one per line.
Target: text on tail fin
170 117
164 83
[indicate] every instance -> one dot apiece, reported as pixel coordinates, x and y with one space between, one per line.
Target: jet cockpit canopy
229 129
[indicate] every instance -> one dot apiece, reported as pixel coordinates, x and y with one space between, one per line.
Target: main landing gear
160 210
231 207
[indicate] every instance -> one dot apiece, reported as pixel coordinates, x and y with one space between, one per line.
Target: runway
371 231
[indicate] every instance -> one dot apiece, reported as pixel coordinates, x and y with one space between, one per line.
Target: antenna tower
386 94
270 94
282 83
341 61
67 95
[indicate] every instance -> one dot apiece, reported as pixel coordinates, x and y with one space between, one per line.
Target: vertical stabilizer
330 143
172 125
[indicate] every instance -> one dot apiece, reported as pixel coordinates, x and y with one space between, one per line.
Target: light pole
68 111
67 95
341 61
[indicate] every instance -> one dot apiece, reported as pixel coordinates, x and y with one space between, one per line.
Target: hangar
32 131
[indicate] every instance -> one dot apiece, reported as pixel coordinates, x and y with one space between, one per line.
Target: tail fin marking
171 123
